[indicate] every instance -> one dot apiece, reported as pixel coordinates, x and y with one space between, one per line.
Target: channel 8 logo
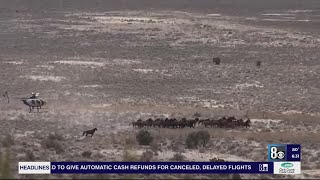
276 152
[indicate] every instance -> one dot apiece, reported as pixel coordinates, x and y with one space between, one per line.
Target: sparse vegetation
235 176
30 156
7 141
86 154
128 157
101 176
147 156
264 176
203 137
178 157
232 147
144 137
165 64
5 166
130 141
176 145
197 115
1 161
188 176
196 139
53 141
216 160
155 147
56 136
54 144
130 176
192 140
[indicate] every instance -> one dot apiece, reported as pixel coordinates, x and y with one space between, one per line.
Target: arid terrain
107 63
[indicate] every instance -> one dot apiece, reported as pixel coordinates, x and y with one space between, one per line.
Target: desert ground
105 64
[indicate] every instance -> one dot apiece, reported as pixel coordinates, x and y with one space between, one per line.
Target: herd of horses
224 122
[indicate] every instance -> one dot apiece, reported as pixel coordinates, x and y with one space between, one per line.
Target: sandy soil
105 64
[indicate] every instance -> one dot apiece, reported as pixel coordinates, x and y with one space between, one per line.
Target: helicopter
33 102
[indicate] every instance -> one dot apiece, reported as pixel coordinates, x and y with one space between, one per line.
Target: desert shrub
53 141
176 145
25 144
155 147
56 136
101 176
146 156
5 168
75 176
130 141
192 140
1 162
56 145
86 154
231 147
144 137
197 115
266 130
98 155
307 175
202 150
21 117
203 137
128 157
224 176
178 157
164 143
130 176
7 141
78 176
312 159
264 176
305 167
216 160
235 176
187 176
30 156
258 63
196 139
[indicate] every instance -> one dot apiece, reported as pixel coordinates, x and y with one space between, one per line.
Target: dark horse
247 123
216 60
89 132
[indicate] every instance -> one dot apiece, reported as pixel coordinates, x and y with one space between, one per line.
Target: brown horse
216 60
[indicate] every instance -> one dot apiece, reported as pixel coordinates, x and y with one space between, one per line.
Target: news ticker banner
159 167
284 152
